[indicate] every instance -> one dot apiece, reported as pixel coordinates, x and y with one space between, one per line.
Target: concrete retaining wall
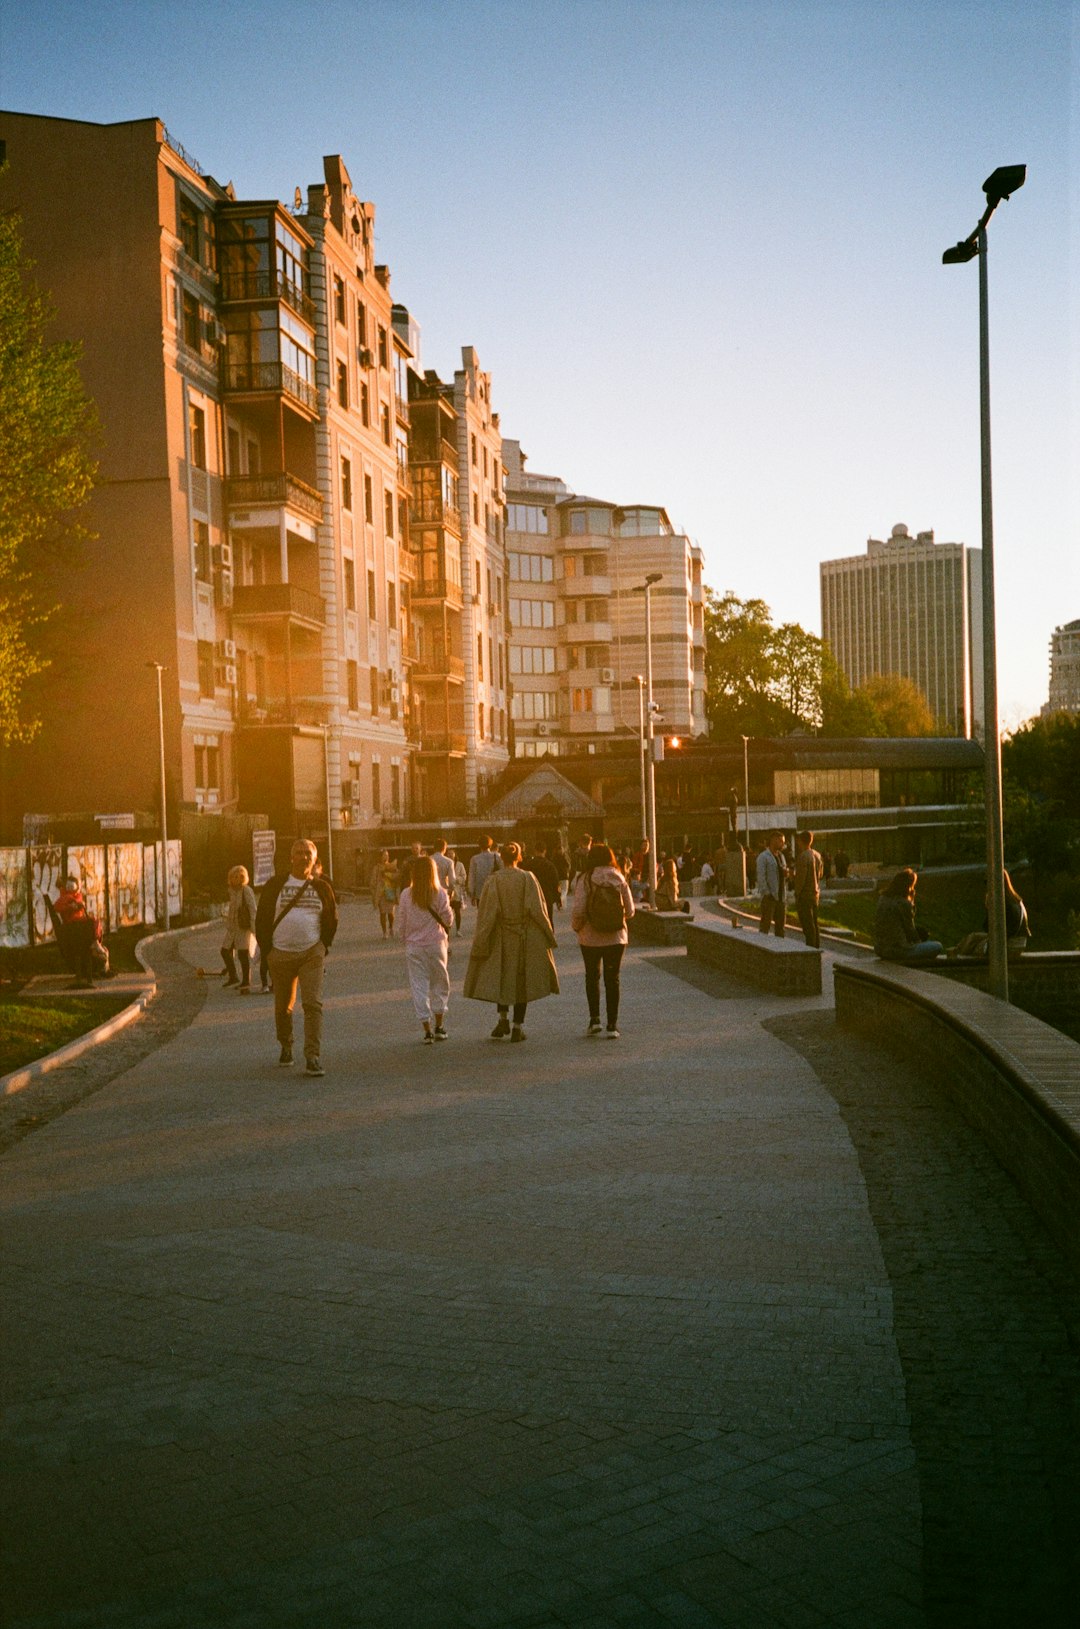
781 966
1013 1077
659 927
1044 983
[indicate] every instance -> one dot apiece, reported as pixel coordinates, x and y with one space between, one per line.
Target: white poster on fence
149 887
14 900
263 848
46 875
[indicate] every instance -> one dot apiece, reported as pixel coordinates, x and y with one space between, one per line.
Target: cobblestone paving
573 1333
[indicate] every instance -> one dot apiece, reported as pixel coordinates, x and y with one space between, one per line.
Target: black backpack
604 908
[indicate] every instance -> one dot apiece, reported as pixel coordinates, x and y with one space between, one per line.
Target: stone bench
781 966
1012 1076
659 927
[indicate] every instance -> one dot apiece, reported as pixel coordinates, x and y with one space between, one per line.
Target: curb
19 1078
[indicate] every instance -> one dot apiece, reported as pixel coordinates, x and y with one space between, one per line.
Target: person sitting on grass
896 937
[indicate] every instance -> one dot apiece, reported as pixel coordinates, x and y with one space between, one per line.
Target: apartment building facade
576 571
912 607
1064 694
252 514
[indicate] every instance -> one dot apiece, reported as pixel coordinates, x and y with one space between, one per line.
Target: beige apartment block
1064 670
912 607
576 568
250 515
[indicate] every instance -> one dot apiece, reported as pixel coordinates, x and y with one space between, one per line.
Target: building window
532 659
384 423
533 613
372 603
376 787
581 701
201 541
476 508
346 483
527 517
207 763
369 500
480 657
339 300
352 679
480 720
476 567
485 462
350 583
391 604
384 354
189 228
361 325
342 384
473 442
531 568
190 320
197 435
388 513
373 681
207 678
395 788
532 704
365 405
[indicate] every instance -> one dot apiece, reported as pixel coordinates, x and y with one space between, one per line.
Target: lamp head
653 577
961 254
1006 180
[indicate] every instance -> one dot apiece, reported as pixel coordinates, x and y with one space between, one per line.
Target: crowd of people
419 900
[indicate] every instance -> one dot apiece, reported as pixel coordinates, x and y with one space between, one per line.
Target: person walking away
384 891
896 936
511 962
548 878
809 871
772 882
239 929
561 861
424 920
603 905
458 888
295 925
444 865
481 866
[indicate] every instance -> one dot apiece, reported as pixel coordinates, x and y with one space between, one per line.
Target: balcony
585 633
273 492
268 602
433 512
452 741
240 286
439 667
592 587
269 378
437 588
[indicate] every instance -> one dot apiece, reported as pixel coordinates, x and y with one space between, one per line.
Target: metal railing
266 285
248 377
278 599
251 491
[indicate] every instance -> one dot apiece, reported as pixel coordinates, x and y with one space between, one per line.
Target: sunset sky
698 245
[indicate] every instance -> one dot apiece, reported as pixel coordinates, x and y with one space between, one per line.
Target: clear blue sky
697 244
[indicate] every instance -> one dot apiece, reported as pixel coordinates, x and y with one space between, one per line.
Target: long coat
511 958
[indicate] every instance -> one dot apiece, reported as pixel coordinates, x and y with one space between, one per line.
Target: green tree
47 425
760 680
1040 776
845 712
900 705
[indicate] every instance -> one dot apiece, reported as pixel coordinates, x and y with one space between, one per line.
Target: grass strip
33 1028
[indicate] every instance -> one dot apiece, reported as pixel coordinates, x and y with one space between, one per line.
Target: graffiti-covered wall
121 884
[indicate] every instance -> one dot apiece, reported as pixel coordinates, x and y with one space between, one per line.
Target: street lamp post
164 819
1004 181
746 790
650 714
639 680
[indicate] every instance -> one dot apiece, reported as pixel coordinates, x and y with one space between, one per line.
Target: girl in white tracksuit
424 920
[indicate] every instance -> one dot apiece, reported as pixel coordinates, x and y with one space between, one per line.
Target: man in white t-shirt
295 926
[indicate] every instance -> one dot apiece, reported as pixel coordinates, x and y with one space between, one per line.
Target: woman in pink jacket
424 920
602 906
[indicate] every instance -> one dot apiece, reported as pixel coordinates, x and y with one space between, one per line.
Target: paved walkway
725 1323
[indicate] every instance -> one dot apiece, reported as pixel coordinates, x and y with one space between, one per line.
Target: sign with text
116 822
263 848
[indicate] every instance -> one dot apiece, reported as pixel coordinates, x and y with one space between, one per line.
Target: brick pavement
575 1333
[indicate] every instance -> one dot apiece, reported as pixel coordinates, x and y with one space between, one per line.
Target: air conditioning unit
219 332
543 729
607 675
365 357
222 553
354 791
230 673
223 589
228 649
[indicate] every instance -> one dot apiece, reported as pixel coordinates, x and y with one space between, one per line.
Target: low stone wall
781 966
659 927
1045 983
1013 1077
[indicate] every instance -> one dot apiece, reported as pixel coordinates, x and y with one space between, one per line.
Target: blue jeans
927 951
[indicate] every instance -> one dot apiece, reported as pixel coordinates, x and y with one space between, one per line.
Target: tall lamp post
1002 184
650 714
164 820
746 790
639 680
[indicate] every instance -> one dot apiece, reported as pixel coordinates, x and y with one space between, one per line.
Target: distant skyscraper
1064 670
912 607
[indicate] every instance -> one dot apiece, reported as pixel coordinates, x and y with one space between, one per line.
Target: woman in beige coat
511 962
